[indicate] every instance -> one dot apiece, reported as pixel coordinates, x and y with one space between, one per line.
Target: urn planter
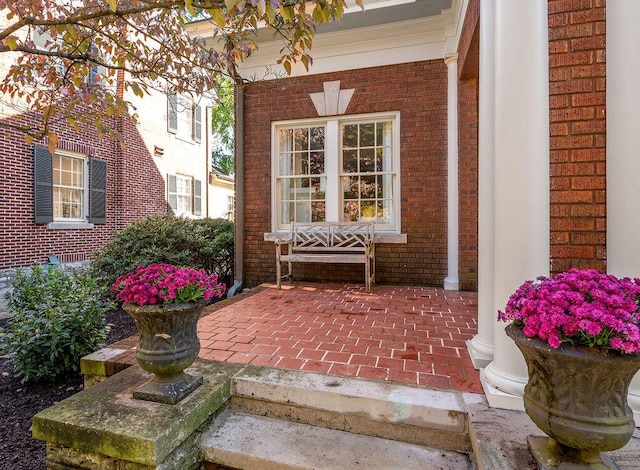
578 397
168 343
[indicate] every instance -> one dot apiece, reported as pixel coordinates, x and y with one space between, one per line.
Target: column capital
450 58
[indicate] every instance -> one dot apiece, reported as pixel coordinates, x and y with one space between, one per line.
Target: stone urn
577 396
168 343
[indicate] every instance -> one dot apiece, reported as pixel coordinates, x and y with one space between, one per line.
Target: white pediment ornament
332 101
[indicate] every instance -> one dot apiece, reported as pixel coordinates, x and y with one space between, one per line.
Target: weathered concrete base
170 392
549 456
105 427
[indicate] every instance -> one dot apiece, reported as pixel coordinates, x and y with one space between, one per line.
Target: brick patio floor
412 335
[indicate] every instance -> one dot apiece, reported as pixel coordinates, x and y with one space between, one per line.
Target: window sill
397 238
68 225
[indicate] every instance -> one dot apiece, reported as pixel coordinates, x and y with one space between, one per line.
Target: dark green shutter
197 197
97 191
172 112
43 189
197 123
172 196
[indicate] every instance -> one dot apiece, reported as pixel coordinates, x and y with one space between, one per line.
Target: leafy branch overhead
70 58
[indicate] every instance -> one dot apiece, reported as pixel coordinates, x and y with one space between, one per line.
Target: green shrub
57 318
200 244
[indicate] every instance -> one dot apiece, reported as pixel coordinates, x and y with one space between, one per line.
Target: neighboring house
68 203
505 139
222 198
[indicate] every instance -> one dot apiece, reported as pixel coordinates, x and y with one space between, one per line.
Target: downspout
208 116
239 188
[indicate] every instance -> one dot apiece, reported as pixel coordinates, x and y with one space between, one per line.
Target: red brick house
506 135
69 203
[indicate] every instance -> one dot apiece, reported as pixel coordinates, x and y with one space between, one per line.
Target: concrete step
411 414
238 440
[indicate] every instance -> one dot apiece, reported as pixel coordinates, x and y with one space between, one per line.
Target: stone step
411 414
238 440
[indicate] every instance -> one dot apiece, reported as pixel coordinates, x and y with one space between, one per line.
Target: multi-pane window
368 171
69 193
231 207
184 117
301 174
337 170
184 195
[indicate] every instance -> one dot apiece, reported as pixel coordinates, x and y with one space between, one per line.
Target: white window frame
85 186
186 181
188 118
333 166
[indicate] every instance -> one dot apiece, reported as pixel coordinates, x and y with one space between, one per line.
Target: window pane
351 211
367 160
318 212
303 212
301 164
350 161
317 138
318 185
368 210
301 139
368 187
316 163
367 137
350 135
350 187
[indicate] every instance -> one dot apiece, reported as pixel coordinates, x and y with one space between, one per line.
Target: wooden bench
328 242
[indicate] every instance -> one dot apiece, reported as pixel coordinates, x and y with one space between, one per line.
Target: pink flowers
165 283
582 307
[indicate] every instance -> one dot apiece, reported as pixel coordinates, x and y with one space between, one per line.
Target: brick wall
419 92
578 133
468 72
130 196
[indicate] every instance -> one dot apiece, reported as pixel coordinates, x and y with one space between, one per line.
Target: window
337 170
69 195
184 195
184 117
69 187
231 207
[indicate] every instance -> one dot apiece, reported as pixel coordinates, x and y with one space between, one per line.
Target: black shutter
172 112
197 123
43 189
172 196
97 191
197 197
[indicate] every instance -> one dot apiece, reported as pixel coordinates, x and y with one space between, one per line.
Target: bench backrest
335 236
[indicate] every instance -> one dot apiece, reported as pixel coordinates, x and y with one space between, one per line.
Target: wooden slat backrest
335 236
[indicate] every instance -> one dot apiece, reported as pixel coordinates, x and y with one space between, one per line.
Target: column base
498 397
480 352
451 283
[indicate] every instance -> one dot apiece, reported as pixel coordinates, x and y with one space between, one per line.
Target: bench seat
328 242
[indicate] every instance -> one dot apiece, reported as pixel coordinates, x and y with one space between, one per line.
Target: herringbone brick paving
412 335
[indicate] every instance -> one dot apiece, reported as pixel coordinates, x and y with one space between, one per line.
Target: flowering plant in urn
579 333
164 283
166 302
579 307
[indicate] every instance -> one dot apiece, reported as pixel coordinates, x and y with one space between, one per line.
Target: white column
452 282
623 141
481 346
521 178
